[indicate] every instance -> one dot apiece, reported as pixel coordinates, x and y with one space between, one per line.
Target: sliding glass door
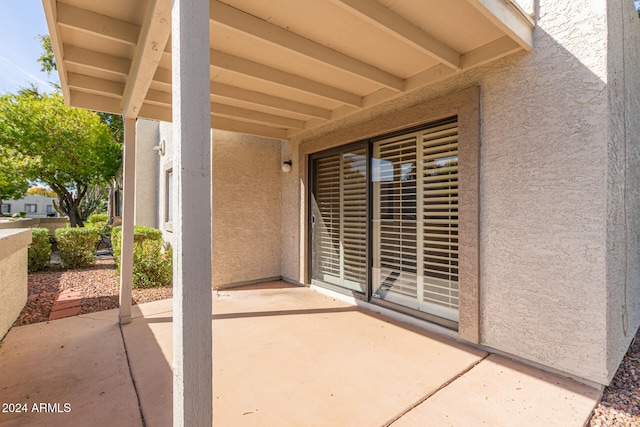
415 220
412 191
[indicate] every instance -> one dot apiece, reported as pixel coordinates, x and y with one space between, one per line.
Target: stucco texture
13 270
549 271
146 192
623 178
246 205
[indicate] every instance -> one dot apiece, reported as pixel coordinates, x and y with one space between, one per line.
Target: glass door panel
414 180
339 220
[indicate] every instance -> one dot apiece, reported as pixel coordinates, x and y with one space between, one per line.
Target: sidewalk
282 357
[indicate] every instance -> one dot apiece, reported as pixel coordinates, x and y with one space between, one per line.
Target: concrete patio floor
283 356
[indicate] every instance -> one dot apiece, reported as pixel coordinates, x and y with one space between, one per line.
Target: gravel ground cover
98 284
620 402
619 406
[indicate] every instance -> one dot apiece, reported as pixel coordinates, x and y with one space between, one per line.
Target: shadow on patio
283 356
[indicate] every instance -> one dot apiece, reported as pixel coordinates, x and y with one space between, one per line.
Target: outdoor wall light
286 166
160 148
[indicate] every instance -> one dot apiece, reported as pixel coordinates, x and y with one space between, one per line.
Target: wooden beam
248 128
51 15
241 21
163 101
490 52
247 115
156 112
95 23
94 102
429 76
151 43
380 16
163 76
510 18
282 78
96 60
258 98
156 97
95 85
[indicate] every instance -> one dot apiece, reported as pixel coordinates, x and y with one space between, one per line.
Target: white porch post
192 340
128 213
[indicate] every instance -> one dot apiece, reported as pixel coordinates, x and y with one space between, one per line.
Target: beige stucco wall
543 191
49 223
246 206
623 178
147 166
292 193
13 270
166 164
247 215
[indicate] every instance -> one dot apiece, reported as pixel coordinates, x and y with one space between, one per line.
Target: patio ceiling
278 67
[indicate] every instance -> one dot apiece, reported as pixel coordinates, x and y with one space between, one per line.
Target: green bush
96 218
39 250
77 246
152 265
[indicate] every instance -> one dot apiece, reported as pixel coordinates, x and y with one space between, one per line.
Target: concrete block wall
13 270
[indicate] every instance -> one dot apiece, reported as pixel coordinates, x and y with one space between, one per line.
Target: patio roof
278 69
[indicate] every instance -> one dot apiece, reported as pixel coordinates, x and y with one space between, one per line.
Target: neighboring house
35 206
470 163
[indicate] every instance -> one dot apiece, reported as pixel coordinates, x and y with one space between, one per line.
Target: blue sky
21 21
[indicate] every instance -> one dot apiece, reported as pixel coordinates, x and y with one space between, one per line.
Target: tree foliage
47 60
69 149
48 64
41 191
13 178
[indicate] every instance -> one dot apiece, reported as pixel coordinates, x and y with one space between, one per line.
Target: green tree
41 191
48 64
13 179
69 149
47 60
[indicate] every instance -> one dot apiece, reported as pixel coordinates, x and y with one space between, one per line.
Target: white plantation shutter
340 220
439 150
396 204
414 219
327 218
415 216
354 216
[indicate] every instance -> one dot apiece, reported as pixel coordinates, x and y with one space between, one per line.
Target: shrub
152 265
95 218
77 246
140 233
39 250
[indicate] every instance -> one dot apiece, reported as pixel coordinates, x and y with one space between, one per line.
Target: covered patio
278 71
283 356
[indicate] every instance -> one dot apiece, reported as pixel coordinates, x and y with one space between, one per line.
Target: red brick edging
68 303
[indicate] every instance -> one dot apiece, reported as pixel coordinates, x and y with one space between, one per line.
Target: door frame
466 105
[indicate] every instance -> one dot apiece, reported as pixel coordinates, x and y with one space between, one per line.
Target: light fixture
160 148
286 166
